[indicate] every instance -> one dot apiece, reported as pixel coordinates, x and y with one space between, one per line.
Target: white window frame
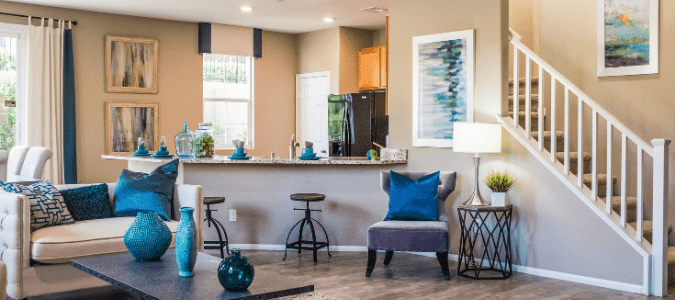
21 33
251 114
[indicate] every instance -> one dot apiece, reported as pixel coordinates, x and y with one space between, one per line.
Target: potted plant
499 183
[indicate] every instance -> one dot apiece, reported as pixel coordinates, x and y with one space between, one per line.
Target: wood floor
408 276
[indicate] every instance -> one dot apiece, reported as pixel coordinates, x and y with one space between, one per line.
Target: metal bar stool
313 244
219 244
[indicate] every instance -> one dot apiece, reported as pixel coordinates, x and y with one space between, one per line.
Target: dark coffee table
160 280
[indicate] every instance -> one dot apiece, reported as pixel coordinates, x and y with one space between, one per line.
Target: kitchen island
259 189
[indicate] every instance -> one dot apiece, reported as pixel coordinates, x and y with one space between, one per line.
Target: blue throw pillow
413 200
88 202
47 207
140 192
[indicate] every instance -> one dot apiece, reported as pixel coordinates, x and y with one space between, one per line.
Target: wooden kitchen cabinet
373 68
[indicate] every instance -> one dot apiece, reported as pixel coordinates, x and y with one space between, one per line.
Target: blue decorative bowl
148 237
235 273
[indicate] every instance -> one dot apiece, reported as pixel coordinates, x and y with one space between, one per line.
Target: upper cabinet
373 68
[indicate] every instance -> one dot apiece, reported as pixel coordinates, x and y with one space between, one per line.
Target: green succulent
499 182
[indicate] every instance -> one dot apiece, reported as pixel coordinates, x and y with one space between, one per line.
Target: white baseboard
610 284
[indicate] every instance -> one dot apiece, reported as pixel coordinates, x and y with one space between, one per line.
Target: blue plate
141 154
239 158
309 158
162 156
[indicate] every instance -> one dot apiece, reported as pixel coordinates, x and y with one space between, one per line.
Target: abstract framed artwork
131 65
443 70
126 122
628 37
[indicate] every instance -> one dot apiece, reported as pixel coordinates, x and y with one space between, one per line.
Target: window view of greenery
8 90
227 97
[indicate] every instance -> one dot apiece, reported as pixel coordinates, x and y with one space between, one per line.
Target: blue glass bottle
186 242
235 273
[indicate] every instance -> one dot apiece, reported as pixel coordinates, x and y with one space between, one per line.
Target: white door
311 115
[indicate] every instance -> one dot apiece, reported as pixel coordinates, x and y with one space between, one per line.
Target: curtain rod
24 16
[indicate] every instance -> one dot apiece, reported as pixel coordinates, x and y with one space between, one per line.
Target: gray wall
553 230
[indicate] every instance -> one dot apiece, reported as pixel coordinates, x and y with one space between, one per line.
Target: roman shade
230 40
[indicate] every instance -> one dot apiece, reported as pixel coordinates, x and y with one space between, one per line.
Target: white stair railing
655 254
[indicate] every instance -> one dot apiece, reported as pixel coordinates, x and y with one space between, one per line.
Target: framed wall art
126 122
443 70
628 37
131 65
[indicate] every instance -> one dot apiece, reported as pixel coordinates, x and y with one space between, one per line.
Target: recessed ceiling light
246 8
328 20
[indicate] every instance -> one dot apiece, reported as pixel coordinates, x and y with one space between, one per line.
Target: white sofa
38 263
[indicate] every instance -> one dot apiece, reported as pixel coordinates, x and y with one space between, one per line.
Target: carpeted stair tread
647 229
547 135
521 99
574 156
602 179
521 81
631 207
522 114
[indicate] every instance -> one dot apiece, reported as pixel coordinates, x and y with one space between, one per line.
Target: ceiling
291 16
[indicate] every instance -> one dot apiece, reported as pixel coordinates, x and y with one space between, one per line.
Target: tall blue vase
186 242
147 237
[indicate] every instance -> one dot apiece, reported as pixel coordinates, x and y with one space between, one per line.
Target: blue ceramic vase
148 237
235 273
186 242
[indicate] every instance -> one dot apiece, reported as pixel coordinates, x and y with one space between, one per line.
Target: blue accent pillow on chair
413 200
140 192
88 202
47 207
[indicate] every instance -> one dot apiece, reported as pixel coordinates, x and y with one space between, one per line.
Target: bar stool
307 197
219 244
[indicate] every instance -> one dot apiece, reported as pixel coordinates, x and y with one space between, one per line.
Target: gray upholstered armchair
418 236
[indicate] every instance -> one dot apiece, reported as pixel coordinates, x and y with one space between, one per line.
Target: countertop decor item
204 142
371 154
126 122
185 142
131 65
186 242
141 151
499 183
148 237
477 138
235 273
162 152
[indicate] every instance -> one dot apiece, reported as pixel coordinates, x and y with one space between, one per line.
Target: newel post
660 218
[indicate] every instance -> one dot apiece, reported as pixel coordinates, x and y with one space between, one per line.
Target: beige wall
351 41
380 37
551 229
180 83
319 51
644 103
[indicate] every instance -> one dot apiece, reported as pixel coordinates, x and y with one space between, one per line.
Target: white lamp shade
477 137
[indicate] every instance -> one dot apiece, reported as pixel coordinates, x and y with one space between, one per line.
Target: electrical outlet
233 215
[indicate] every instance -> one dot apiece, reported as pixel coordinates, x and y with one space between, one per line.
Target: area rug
308 296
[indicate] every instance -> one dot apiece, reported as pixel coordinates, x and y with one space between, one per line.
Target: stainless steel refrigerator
355 121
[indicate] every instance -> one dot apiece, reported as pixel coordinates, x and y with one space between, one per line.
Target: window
12 83
228 98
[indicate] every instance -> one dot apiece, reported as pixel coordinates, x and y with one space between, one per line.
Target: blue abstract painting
444 92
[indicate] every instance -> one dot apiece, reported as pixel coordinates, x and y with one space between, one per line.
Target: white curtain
44 124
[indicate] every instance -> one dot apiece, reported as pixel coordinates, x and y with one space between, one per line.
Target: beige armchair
11 163
54 246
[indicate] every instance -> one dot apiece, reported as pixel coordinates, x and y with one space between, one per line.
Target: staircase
580 169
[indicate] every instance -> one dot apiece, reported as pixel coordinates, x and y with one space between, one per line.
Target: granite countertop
398 158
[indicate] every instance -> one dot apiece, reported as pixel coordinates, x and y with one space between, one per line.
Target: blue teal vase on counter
235 273
148 237
186 242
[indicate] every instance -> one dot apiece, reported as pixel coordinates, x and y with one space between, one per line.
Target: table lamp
476 138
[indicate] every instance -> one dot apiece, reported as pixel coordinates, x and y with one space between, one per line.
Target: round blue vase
148 237
235 273
186 242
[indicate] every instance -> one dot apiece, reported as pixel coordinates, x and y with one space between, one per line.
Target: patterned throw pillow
47 207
